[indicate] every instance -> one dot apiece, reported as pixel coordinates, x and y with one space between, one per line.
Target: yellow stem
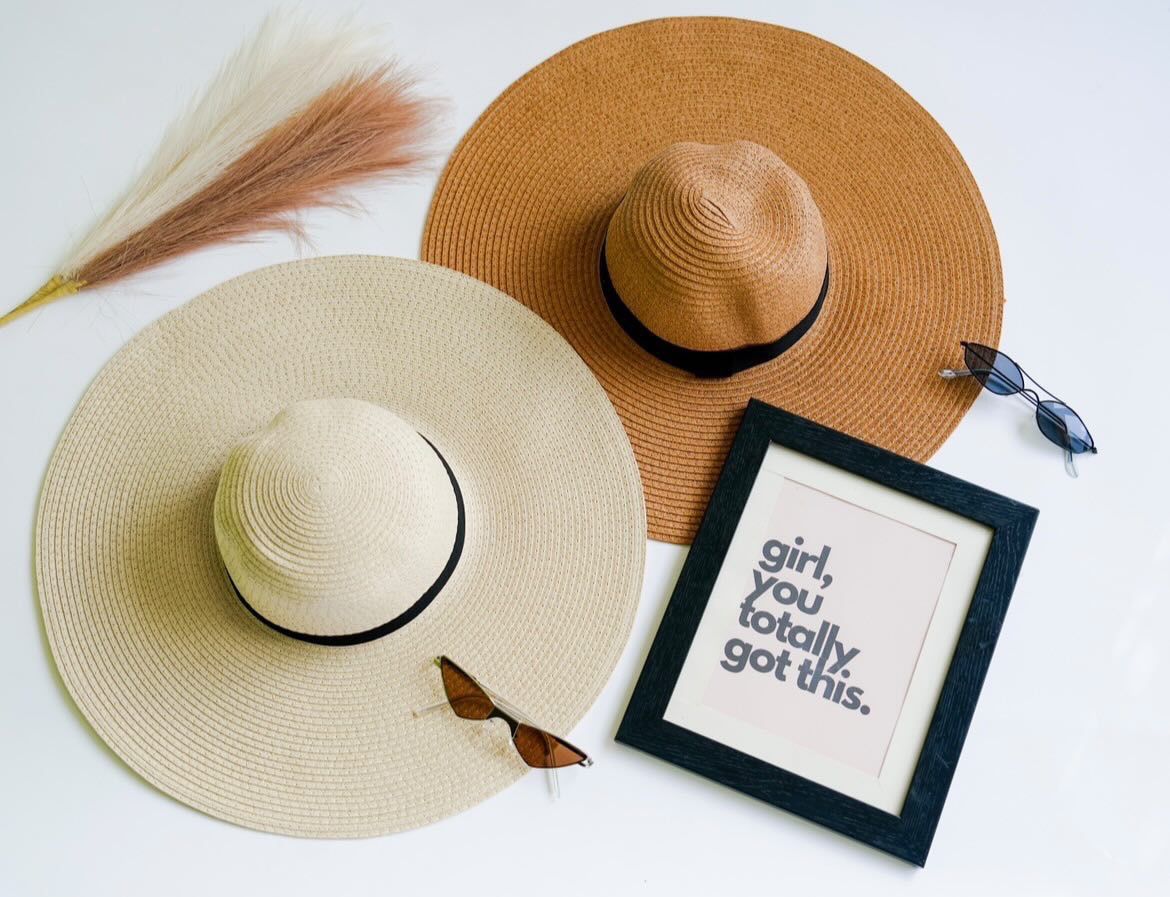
55 287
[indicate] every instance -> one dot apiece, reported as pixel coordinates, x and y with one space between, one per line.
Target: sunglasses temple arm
504 705
423 711
952 374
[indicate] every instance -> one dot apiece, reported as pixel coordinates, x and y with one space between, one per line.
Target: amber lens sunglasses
536 747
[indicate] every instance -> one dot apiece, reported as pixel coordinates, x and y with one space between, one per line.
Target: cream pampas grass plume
298 115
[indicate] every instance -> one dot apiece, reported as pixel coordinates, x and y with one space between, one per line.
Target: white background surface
1061 112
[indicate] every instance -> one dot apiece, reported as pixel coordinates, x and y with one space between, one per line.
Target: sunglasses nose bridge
512 724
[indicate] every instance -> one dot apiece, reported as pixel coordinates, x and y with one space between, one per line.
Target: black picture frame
909 834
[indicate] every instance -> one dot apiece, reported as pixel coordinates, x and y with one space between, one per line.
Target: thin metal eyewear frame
1032 395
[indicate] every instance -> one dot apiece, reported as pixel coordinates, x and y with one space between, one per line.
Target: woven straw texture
527 197
219 711
334 518
717 247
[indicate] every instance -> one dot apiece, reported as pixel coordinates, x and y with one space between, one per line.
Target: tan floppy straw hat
390 461
712 210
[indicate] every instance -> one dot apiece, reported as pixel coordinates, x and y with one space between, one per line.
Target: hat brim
251 726
526 197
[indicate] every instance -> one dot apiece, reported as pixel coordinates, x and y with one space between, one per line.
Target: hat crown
717 247
335 518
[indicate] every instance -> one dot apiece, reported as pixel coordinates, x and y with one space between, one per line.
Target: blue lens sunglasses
999 374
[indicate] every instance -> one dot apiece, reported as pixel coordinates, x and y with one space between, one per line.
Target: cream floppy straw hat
713 210
279 502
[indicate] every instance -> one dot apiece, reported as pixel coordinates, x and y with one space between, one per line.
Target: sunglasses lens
993 369
542 751
466 698
1062 425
